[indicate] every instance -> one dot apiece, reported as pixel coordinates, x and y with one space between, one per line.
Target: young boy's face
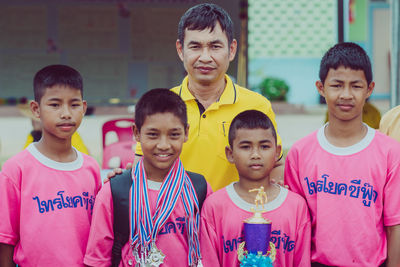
254 153
162 136
60 110
345 91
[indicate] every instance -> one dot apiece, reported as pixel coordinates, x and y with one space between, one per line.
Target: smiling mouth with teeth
163 155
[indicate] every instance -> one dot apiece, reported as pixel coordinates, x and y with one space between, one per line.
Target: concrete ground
15 128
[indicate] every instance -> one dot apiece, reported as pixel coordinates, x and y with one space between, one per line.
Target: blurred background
123 48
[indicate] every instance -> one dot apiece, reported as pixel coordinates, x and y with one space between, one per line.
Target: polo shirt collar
184 92
229 96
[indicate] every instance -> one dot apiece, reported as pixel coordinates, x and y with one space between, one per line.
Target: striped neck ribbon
145 226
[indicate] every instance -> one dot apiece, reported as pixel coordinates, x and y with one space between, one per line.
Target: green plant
274 89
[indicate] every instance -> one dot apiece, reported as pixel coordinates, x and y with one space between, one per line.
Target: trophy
257 250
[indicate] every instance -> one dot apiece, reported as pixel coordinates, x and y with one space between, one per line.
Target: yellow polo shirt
390 123
204 152
76 141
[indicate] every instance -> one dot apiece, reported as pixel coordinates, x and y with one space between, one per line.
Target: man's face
206 55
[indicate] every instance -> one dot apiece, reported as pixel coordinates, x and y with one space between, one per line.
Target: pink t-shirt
352 193
171 240
46 207
223 214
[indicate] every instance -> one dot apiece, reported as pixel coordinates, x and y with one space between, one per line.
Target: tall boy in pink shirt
47 191
163 205
254 151
348 173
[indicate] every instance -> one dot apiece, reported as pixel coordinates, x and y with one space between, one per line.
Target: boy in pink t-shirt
348 172
254 151
47 191
163 204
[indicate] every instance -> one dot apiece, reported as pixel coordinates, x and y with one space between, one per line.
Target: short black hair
53 75
160 100
205 16
250 119
348 55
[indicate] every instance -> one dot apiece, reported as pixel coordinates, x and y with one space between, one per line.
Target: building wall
288 38
122 48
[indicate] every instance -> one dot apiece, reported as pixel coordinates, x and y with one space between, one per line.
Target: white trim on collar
344 151
61 166
244 205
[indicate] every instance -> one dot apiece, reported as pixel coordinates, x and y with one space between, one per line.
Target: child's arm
10 216
101 237
391 203
6 255
302 250
393 242
208 243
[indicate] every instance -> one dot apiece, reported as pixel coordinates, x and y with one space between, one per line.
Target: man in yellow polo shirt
206 47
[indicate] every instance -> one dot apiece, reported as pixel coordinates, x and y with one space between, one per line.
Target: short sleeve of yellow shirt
76 141
204 152
390 123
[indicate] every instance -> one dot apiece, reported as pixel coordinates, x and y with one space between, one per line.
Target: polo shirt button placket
204 116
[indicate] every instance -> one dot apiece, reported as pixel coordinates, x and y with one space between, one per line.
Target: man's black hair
160 100
250 119
205 16
348 55
53 75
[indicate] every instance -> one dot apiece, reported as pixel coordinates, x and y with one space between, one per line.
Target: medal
153 259
156 257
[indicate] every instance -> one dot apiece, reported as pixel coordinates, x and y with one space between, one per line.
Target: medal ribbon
144 227
191 205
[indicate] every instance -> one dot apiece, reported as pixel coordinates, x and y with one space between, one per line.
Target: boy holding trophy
233 229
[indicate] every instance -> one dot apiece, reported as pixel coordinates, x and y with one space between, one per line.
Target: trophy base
256 259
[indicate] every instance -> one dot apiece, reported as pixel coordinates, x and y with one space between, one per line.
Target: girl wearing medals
164 209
